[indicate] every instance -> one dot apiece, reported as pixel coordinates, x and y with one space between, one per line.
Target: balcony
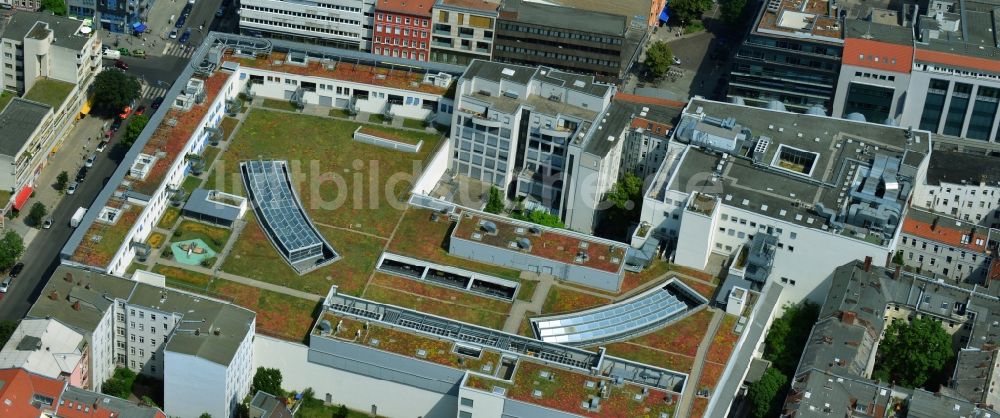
440 44
441 32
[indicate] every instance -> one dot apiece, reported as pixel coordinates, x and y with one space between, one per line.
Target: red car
121 65
140 110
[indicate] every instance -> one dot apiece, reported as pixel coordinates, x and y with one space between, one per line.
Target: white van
112 54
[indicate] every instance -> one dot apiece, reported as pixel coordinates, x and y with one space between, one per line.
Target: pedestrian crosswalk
150 91
178 50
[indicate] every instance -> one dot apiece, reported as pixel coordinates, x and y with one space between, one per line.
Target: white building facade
340 23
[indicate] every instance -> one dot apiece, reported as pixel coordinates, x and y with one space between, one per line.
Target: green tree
11 248
763 394
114 387
687 11
7 328
205 415
495 203
787 337
113 90
911 354
37 212
57 7
135 127
309 398
267 380
146 400
626 193
61 180
539 217
732 10
341 412
658 59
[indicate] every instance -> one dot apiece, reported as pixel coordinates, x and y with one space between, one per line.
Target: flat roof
490 7
199 202
43 346
49 91
66 31
553 244
767 187
632 112
957 167
567 17
628 8
19 120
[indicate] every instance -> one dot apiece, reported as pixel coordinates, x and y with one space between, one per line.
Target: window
152 369
142 339
152 317
142 314
467 402
464 414
152 342
142 353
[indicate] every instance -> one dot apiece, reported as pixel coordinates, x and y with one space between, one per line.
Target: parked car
71 188
221 11
121 65
185 36
116 125
16 270
9 281
5 285
173 34
139 53
89 162
181 21
156 103
82 174
101 146
140 110
47 223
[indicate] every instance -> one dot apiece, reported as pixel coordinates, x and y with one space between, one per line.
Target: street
157 73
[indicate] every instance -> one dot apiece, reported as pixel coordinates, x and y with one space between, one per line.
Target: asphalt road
42 257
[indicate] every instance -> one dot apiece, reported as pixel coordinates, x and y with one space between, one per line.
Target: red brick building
402 29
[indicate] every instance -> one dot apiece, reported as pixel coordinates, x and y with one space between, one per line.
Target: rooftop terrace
173 135
801 18
542 242
400 78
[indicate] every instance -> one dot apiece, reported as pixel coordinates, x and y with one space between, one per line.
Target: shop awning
665 14
22 197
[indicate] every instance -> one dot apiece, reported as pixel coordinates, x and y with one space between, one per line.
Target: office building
514 125
66 56
402 29
343 24
200 347
463 30
829 190
834 373
942 246
961 185
571 39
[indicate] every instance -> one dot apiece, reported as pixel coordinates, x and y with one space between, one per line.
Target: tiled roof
878 55
945 232
17 389
410 7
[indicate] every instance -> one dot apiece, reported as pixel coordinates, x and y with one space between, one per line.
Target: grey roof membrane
25 24
18 121
199 203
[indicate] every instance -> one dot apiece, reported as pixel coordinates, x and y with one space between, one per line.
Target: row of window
305 15
395 41
299 27
875 76
913 242
400 31
556 55
404 20
559 34
394 52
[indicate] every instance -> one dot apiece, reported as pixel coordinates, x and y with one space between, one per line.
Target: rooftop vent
489 226
507 72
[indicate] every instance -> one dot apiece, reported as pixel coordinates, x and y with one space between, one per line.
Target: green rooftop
5 97
49 91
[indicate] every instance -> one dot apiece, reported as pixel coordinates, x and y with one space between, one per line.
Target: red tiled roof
18 389
410 7
956 60
648 100
944 234
652 126
878 55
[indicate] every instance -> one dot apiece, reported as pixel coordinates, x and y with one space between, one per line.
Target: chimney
868 264
54 295
934 223
76 306
69 277
848 317
896 274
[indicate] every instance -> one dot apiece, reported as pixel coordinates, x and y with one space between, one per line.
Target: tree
36 213
658 59
113 90
732 10
763 394
135 127
787 337
7 328
539 217
309 398
146 400
625 193
61 180
341 412
495 203
205 415
687 11
57 7
267 380
911 354
11 248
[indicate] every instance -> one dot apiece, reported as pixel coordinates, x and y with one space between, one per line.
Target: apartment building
569 38
961 185
49 348
514 126
65 58
402 29
26 5
201 348
28 394
938 245
834 373
829 190
343 24
463 30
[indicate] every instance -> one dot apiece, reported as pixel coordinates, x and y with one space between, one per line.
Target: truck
77 217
